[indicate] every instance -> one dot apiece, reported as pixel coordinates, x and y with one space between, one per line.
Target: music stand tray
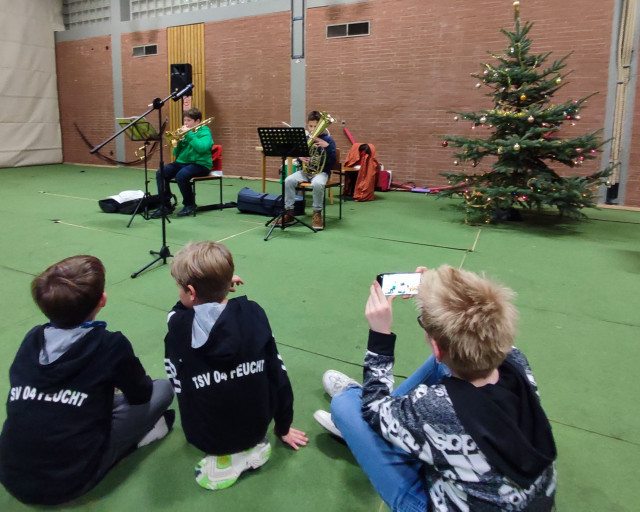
284 142
140 130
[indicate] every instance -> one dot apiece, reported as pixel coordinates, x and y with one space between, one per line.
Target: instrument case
250 201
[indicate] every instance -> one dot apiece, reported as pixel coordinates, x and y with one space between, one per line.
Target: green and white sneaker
217 472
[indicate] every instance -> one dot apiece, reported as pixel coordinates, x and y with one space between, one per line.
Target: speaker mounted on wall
180 77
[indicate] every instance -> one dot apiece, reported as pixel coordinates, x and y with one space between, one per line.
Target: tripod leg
275 224
162 254
136 274
135 212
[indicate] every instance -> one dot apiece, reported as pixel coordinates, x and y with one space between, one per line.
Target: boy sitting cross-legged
466 431
223 362
66 426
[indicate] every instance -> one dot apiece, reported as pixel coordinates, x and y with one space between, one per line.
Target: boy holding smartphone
466 431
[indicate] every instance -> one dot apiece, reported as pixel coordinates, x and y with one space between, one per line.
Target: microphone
177 95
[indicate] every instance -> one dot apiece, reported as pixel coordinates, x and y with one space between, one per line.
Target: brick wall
632 195
145 78
394 88
85 97
247 65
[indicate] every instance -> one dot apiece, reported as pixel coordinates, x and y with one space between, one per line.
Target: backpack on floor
250 201
127 200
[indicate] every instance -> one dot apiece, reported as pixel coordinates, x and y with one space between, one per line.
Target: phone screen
400 284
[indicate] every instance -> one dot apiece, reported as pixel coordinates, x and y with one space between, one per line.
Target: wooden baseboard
618 207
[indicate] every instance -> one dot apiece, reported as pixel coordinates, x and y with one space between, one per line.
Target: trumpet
177 135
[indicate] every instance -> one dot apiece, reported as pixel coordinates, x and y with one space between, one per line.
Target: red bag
383 181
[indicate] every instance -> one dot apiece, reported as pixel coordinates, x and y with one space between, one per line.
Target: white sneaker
162 427
324 418
335 382
217 472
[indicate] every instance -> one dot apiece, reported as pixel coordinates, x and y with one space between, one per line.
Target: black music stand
140 130
157 104
283 142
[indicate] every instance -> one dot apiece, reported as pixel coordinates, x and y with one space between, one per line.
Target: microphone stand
157 104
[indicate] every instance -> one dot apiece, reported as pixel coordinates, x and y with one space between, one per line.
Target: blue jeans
182 174
395 474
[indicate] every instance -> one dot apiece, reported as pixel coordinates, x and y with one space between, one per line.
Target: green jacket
195 148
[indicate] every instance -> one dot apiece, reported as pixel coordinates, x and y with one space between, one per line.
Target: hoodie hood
61 353
507 423
204 318
57 341
235 322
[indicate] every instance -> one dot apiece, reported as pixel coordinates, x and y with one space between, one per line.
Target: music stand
157 104
140 130
283 142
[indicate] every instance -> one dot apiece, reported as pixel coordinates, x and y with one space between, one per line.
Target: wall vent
144 51
356 29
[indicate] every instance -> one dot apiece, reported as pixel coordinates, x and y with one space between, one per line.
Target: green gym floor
577 286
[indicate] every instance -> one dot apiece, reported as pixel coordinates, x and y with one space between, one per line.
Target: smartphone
400 284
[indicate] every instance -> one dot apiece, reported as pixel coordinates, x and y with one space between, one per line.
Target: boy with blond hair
222 360
466 431
66 426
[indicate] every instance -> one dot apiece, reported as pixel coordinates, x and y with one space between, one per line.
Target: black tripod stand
283 142
140 130
157 104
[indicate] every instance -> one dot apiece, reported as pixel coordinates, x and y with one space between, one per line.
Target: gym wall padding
29 115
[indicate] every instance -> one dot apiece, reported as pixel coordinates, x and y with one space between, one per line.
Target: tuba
317 155
176 135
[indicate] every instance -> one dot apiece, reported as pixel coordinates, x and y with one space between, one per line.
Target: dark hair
193 113
314 115
68 291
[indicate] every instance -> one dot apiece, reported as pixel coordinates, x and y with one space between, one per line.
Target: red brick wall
396 87
145 78
632 193
85 96
393 88
247 66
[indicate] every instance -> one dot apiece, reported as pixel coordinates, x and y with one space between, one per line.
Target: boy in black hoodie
222 360
466 431
66 426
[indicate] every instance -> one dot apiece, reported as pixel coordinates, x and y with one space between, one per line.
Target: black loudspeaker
180 77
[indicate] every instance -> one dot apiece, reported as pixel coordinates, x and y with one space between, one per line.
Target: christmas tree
524 140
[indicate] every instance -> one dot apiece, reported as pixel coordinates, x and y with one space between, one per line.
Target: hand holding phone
400 283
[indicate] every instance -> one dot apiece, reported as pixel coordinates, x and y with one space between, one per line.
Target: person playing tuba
192 149
315 169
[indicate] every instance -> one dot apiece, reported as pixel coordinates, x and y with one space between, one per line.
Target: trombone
176 135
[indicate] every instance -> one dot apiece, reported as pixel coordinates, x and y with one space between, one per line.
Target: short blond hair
470 317
207 266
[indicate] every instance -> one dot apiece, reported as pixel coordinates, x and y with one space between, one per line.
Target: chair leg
324 208
221 202
193 189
